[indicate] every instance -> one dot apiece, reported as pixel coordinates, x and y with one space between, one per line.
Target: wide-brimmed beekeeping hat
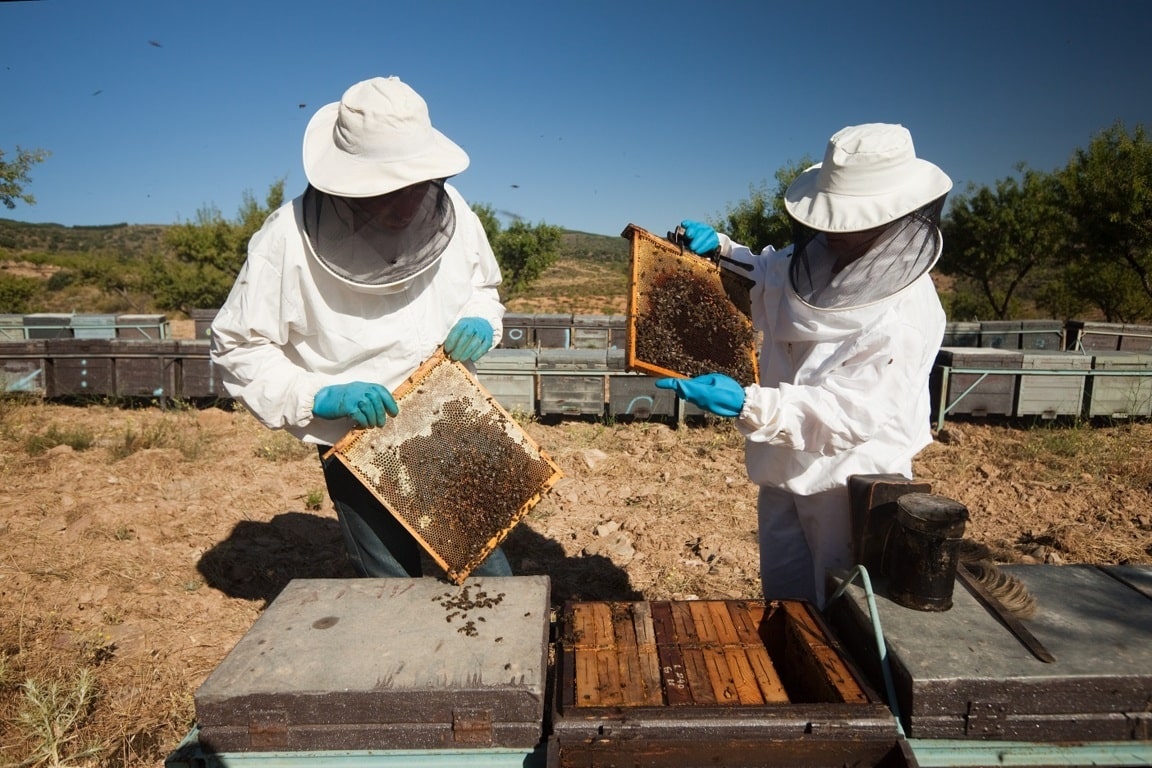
377 139
870 177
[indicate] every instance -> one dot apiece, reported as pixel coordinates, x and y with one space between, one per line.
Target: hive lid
385 663
682 320
452 466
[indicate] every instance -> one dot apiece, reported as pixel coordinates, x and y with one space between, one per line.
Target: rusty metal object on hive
452 466
681 320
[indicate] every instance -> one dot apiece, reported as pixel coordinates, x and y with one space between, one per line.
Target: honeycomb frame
717 337
453 467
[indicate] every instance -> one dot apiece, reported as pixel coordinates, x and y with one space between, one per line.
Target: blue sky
588 115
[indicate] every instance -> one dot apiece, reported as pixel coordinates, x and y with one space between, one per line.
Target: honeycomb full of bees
681 319
452 466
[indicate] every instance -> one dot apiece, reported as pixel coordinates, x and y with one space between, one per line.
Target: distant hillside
590 276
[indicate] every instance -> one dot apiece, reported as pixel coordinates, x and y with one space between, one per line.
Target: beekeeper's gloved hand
469 339
369 405
702 239
714 392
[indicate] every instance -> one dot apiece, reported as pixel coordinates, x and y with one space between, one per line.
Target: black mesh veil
841 270
357 247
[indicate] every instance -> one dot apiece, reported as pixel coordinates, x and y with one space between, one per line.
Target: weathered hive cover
681 319
360 664
453 466
962 673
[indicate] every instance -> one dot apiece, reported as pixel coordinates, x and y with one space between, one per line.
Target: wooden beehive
963 674
453 466
710 682
681 320
382 664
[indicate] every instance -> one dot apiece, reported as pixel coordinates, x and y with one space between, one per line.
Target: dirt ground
145 555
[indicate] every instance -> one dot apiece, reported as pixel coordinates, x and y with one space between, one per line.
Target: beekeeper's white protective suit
349 288
852 324
842 392
292 326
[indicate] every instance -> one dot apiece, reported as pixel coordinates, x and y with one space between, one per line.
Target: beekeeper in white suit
347 289
851 324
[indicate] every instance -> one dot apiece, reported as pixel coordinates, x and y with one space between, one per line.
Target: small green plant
278 445
77 438
52 716
160 434
314 500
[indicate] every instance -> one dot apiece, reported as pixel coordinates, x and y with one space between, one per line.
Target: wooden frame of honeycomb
452 466
681 320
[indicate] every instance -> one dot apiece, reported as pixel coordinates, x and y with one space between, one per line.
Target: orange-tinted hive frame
681 321
452 466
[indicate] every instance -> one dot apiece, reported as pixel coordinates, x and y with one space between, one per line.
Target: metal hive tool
453 466
681 320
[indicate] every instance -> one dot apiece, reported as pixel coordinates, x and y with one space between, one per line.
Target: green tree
762 219
206 254
16 294
996 239
1108 193
522 251
14 176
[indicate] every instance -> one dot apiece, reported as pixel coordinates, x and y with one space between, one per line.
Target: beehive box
961 674
1042 335
590 331
48 325
137 327
519 331
710 682
1050 396
1000 334
572 381
961 334
80 368
23 366
12 328
199 376
1136 338
1091 336
982 392
384 664
510 376
552 330
93 326
145 368
634 395
1118 396
452 467
202 322
681 321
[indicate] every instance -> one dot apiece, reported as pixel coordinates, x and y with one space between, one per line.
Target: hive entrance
452 466
681 319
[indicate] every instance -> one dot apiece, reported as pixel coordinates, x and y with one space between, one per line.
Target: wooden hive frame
453 467
681 320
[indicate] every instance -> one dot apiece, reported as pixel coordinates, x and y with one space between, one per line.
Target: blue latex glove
469 339
714 392
702 239
369 405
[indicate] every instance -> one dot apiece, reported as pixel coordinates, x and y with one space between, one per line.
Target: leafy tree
762 220
207 254
1108 193
522 251
16 294
995 239
14 176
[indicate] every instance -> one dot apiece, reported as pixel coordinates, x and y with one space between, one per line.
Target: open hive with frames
682 320
452 466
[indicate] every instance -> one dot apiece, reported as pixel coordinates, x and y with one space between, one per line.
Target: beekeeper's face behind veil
376 212
866 219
